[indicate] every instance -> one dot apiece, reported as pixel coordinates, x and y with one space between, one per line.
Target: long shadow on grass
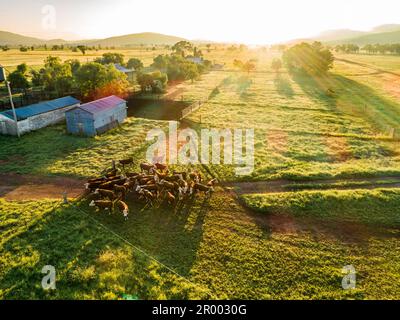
342 94
60 240
283 86
74 244
40 151
170 234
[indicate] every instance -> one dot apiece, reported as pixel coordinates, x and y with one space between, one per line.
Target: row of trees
100 77
177 66
347 48
90 80
382 48
369 48
118 58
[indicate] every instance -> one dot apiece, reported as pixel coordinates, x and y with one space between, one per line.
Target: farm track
16 187
377 70
279 186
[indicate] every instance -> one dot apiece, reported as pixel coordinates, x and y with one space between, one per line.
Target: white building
36 116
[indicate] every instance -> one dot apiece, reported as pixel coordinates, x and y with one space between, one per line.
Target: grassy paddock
53 151
376 207
300 131
90 262
225 251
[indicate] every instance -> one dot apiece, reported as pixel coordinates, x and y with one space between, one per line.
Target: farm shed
196 60
130 73
97 116
36 116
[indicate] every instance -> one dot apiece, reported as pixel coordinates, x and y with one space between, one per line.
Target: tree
38 77
197 52
18 80
308 58
161 61
247 66
192 72
182 46
94 80
111 57
145 81
18 77
56 76
22 68
155 82
134 63
276 64
75 65
82 49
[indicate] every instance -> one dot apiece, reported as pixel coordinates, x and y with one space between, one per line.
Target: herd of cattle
153 184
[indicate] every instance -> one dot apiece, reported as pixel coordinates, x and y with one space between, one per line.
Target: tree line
179 65
100 78
369 48
90 80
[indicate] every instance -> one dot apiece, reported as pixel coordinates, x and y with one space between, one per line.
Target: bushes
18 78
111 57
96 81
178 68
155 82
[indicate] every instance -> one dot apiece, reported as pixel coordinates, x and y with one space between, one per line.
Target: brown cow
146 167
102 204
123 207
106 193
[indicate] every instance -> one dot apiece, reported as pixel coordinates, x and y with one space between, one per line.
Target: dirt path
289 186
377 70
31 187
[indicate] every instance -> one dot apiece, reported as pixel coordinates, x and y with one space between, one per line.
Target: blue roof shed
42 107
97 116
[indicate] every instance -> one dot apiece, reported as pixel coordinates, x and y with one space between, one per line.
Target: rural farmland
323 193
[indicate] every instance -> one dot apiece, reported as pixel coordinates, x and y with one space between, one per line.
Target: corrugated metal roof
122 68
42 107
102 104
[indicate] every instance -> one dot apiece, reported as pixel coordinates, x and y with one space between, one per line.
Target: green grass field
222 249
290 245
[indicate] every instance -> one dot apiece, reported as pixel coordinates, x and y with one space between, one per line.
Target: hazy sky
249 21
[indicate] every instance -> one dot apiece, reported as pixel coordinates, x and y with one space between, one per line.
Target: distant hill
146 38
386 28
337 35
372 38
13 39
384 34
